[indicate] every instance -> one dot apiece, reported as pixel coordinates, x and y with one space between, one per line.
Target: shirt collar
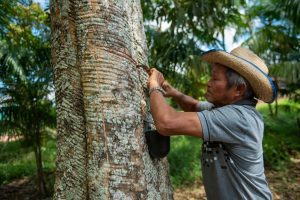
246 102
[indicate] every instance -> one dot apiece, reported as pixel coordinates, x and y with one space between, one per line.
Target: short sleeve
225 124
204 105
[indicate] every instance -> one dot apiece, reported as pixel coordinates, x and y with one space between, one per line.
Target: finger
161 78
165 83
151 71
148 71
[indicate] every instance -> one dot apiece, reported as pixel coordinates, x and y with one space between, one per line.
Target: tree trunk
270 110
276 99
102 103
39 164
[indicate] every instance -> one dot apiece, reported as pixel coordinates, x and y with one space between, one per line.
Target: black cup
158 145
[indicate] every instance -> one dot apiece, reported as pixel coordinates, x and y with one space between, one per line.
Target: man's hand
167 120
170 91
155 79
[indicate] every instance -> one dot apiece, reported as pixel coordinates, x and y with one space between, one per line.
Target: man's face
217 91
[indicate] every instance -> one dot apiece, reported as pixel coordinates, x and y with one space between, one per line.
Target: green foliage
6 14
184 160
19 170
274 35
282 138
17 161
183 29
176 50
26 76
25 73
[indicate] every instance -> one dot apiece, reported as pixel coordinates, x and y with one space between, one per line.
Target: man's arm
186 103
167 120
170 122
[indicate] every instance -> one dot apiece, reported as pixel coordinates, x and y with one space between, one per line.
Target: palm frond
9 64
288 70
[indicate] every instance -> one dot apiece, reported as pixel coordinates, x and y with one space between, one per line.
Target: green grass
17 160
184 160
282 134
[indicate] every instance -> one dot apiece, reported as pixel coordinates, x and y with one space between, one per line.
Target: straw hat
250 66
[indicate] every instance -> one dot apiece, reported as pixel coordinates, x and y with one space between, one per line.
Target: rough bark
102 103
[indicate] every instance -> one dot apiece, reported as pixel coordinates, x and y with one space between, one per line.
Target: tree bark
102 103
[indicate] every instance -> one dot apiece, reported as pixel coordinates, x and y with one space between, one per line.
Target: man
232 129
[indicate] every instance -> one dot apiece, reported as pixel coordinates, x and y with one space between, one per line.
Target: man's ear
240 90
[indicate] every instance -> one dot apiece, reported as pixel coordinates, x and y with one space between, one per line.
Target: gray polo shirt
232 153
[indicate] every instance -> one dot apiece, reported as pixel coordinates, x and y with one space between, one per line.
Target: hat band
274 91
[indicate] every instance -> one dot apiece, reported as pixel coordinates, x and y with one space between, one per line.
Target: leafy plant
26 77
281 134
184 159
178 32
18 161
274 35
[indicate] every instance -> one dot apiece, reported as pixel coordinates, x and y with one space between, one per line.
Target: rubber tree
102 103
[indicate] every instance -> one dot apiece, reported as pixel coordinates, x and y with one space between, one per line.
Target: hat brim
261 83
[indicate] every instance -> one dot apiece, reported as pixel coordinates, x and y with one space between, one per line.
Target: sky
229 32
43 3
229 43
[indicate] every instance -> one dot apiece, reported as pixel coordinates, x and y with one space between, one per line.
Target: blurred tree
274 35
26 76
183 28
6 14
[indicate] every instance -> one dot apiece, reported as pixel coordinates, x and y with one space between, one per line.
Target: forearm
169 122
160 110
186 103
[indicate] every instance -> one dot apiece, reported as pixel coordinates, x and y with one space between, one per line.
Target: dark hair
235 79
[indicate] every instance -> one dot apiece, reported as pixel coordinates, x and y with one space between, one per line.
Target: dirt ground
285 185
